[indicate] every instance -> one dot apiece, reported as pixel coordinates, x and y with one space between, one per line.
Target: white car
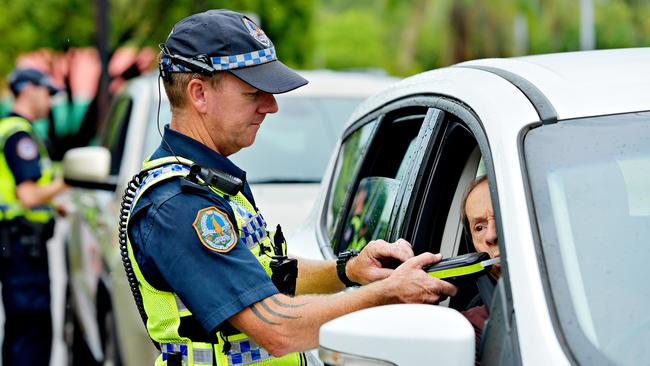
565 142
285 168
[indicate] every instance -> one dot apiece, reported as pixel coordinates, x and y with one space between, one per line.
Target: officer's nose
268 105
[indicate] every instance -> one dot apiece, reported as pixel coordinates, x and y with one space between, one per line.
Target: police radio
284 270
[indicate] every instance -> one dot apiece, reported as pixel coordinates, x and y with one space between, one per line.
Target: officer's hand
377 260
410 284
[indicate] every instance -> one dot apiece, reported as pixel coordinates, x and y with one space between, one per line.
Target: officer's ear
196 95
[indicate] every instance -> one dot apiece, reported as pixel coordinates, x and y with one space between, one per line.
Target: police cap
20 78
224 40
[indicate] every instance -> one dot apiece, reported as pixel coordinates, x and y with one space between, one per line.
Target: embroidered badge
26 148
215 230
256 32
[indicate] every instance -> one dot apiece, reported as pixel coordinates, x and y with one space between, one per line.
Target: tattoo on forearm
275 313
283 304
260 316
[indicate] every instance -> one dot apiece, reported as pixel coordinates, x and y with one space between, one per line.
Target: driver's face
480 215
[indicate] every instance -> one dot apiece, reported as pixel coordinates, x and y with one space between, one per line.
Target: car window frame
322 228
115 131
473 123
380 117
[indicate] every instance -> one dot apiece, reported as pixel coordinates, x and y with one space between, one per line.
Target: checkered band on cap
222 63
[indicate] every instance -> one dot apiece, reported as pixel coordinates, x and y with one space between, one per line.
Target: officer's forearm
317 277
31 194
283 324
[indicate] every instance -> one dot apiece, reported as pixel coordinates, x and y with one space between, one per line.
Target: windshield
590 181
293 145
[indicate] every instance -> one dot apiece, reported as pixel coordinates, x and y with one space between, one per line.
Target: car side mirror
88 167
402 335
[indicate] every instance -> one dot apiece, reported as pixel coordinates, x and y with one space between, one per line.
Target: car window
294 145
590 181
347 164
113 136
370 213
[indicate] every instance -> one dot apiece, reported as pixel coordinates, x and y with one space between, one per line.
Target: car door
430 218
371 175
91 235
406 179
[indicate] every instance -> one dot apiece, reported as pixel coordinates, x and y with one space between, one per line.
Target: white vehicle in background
285 167
565 142
286 163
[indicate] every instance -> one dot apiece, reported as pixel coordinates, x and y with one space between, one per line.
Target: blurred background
92 46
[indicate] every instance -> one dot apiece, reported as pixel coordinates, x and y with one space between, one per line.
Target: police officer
215 284
26 222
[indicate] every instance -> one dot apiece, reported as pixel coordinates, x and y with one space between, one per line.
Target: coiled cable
125 209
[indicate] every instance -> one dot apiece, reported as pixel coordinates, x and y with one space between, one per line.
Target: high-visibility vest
165 310
10 207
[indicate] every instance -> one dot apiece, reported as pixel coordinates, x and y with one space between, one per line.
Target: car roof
576 84
342 83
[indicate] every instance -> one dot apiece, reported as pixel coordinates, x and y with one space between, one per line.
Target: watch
341 262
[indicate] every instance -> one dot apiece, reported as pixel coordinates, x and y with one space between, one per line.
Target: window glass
114 135
590 180
370 212
347 164
386 163
292 146
295 144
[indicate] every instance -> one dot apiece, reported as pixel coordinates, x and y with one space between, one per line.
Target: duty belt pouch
32 238
5 240
284 274
174 359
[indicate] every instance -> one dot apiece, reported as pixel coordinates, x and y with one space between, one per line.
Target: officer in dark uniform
213 283
26 222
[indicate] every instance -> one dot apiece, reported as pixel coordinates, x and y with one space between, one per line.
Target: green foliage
342 44
400 36
58 24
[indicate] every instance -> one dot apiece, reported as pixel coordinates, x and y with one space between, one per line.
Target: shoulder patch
26 148
215 230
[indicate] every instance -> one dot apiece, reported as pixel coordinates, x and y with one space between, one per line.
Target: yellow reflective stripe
460 271
41 215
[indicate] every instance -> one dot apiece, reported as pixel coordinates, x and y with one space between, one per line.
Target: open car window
373 193
347 164
371 210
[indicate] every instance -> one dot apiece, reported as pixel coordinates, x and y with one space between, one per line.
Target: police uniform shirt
213 286
22 156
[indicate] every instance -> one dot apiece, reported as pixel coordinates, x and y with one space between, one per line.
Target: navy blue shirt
22 155
214 286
